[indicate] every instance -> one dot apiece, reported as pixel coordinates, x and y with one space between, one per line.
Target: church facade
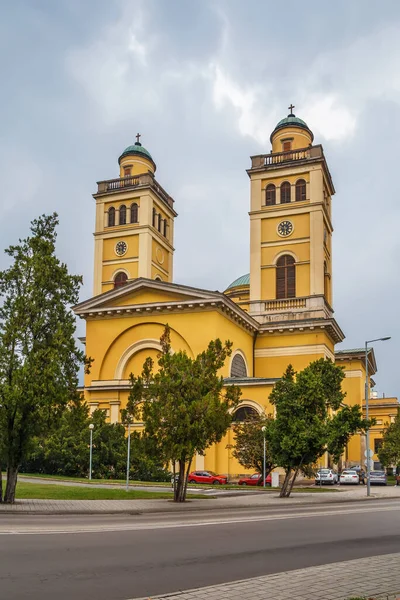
279 313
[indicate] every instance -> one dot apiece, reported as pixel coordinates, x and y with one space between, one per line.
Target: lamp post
382 339
128 458
91 427
263 429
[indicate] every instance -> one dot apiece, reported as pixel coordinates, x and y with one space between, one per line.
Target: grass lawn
44 491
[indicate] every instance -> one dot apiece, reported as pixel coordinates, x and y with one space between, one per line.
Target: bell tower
290 238
134 229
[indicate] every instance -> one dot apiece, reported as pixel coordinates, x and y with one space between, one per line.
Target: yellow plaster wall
301 223
300 138
278 179
136 362
147 297
132 242
138 165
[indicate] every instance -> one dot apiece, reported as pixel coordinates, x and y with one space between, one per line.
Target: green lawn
43 491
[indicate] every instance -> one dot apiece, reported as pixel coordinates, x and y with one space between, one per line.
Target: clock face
285 228
120 248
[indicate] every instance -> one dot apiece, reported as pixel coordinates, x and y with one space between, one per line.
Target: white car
326 476
350 477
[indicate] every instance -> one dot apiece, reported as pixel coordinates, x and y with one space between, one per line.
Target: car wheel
191 481
243 483
216 482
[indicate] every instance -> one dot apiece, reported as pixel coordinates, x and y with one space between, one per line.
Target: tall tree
184 406
311 418
39 359
249 444
389 452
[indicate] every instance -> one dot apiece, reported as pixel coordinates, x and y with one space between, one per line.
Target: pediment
145 292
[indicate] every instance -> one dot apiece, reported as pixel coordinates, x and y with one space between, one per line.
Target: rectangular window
287 146
127 171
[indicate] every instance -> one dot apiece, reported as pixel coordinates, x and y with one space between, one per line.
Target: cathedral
278 313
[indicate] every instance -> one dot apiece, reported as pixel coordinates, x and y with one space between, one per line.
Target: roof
292 121
138 150
359 353
240 281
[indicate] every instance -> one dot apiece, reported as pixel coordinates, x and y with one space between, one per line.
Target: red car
255 479
207 477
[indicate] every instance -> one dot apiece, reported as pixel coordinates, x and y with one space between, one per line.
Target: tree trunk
290 487
180 487
285 484
12 475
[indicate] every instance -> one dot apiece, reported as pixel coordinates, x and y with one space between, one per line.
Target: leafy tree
183 406
145 463
310 418
389 452
39 359
249 444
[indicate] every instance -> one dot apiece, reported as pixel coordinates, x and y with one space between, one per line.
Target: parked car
255 479
378 478
361 474
207 477
349 477
326 476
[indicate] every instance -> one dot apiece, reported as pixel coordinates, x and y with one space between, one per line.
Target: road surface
123 557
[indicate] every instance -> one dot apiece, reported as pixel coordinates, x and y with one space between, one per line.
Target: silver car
328 476
349 477
378 478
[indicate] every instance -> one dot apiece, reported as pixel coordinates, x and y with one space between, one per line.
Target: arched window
160 220
111 217
243 413
134 213
154 217
270 195
300 190
285 193
157 278
122 215
120 279
285 277
238 366
165 228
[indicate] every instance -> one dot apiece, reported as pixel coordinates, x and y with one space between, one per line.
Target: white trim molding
277 256
133 349
242 354
354 373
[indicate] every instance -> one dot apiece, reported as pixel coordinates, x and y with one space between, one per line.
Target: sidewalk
377 577
162 506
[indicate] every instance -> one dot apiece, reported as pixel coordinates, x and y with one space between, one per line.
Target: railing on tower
280 158
132 181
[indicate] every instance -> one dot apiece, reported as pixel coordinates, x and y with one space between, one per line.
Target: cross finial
138 136
291 107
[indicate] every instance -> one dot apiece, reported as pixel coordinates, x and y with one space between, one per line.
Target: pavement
264 553
241 499
376 577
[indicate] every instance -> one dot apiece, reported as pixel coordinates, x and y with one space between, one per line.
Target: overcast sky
205 83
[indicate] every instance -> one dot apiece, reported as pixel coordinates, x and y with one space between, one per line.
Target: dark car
207 477
255 480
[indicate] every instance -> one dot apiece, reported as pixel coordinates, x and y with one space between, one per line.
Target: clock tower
134 224
290 247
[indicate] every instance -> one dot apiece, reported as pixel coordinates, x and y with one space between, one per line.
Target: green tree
249 444
184 406
311 419
39 359
389 452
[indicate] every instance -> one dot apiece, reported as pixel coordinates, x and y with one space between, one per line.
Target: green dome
136 150
292 121
239 282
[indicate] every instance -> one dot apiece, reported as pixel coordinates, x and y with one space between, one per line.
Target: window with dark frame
134 213
122 215
286 146
285 277
111 217
243 413
127 171
120 279
300 190
285 193
270 195
154 217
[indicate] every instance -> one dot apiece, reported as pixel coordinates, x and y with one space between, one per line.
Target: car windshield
211 472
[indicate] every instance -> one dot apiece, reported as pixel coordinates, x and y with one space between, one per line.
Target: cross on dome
138 136
291 107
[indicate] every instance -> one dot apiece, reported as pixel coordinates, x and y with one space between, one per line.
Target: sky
205 84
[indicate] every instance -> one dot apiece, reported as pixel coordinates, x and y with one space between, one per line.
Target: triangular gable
145 291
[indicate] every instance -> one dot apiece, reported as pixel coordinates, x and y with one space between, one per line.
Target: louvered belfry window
285 277
270 199
300 190
285 193
122 215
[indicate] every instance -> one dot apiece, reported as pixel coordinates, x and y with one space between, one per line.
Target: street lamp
91 427
128 459
382 339
263 429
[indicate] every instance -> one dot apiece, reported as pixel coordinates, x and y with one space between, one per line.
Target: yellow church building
279 313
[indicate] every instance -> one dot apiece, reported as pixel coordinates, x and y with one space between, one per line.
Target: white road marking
208 523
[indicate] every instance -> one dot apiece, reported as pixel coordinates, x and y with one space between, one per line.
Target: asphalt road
121 557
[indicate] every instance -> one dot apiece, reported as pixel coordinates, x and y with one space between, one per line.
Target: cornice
329 325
